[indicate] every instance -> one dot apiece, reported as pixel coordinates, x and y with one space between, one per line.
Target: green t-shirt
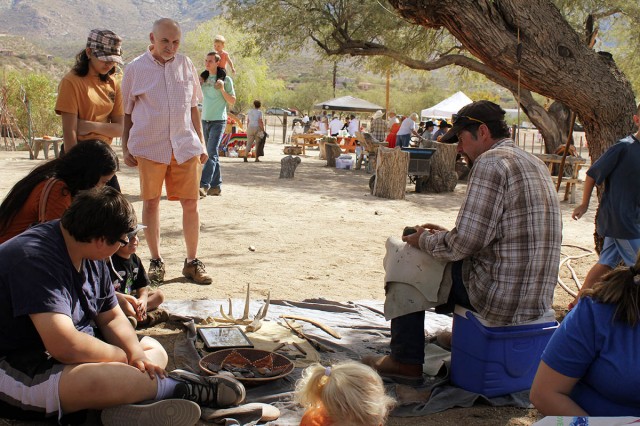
214 106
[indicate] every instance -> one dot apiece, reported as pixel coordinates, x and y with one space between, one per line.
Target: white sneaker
167 412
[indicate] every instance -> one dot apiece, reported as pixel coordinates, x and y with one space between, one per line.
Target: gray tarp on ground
349 103
364 332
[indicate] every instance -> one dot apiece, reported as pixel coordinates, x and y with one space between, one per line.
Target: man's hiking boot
156 271
214 190
161 413
387 367
218 391
154 317
195 271
202 192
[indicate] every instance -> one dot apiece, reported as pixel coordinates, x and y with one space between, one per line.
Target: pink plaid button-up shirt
159 98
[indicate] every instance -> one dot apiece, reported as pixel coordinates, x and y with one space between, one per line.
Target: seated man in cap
65 344
427 132
503 253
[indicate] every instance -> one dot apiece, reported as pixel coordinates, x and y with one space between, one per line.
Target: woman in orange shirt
89 96
91 163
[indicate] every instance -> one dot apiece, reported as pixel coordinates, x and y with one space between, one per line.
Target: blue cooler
495 361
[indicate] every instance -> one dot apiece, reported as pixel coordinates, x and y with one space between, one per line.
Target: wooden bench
42 143
347 144
370 147
575 162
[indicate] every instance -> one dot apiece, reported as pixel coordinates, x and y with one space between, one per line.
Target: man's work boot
202 192
195 271
214 190
406 374
156 271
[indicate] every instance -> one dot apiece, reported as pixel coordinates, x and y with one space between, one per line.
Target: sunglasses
456 117
130 236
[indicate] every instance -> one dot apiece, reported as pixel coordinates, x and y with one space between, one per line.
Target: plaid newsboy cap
105 45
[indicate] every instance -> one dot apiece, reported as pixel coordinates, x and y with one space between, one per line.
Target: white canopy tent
447 107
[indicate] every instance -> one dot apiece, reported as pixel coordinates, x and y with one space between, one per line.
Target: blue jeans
407 331
211 177
403 140
615 250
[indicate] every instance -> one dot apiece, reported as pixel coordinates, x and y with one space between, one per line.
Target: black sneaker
166 412
156 271
208 391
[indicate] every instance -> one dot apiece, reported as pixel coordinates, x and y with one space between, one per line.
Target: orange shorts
182 181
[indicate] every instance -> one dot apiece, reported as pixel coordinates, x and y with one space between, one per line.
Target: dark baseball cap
476 113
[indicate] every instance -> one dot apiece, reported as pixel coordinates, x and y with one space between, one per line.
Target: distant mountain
59 24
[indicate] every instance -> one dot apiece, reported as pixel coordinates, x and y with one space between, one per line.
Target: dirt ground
320 234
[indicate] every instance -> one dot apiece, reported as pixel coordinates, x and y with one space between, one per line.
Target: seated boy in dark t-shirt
139 303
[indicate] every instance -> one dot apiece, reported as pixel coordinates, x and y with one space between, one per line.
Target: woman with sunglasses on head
46 192
89 97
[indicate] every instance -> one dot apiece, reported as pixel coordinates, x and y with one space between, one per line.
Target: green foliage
41 92
375 28
305 95
312 26
253 79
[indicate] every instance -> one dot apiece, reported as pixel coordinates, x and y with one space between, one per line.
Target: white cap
137 228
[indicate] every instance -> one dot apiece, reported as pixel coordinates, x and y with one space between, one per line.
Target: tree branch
364 48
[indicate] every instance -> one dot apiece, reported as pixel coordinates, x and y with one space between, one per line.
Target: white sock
166 387
190 260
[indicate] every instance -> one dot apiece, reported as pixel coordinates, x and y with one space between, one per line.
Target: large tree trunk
555 63
332 151
391 174
443 176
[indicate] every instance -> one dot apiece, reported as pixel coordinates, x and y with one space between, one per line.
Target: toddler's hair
219 38
351 393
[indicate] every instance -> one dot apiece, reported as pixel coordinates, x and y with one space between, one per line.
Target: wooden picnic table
347 144
308 139
43 143
575 163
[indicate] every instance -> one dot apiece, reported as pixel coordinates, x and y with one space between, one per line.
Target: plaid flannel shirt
508 231
378 129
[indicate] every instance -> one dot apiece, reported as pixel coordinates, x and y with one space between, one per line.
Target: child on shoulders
218 45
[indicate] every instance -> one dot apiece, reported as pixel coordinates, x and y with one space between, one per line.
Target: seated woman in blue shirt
590 366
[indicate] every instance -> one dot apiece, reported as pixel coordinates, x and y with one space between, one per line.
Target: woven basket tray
264 365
